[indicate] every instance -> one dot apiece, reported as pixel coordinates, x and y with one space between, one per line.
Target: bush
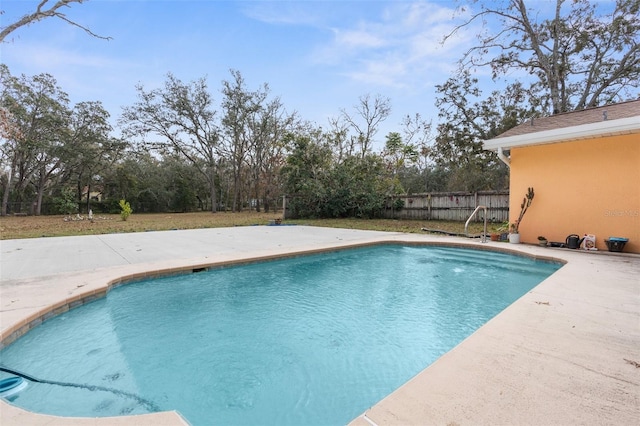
125 209
66 202
398 204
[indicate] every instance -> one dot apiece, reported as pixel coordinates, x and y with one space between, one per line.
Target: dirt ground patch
16 227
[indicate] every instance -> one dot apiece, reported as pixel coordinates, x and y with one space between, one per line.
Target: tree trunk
7 187
40 195
88 197
214 204
265 202
212 189
79 188
256 195
5 195
236 189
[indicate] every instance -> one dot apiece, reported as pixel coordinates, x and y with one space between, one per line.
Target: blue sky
318 56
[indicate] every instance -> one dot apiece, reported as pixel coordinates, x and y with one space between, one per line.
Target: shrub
398 204
125 209
66 202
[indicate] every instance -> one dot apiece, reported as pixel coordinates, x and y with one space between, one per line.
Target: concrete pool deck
567 352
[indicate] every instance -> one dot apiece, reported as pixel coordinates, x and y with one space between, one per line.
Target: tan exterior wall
581 187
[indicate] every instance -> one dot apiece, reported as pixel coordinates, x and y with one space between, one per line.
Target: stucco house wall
581 187
584 167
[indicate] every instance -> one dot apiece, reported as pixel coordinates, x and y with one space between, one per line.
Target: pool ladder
483 239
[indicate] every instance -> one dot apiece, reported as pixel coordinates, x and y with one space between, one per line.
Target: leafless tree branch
41 13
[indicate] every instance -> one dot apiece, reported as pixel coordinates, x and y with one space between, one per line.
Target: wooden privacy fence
456 206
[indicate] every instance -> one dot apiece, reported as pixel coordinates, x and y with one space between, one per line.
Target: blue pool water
312 340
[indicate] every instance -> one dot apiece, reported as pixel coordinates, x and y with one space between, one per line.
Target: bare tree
179 119
239 107
43 12
337 136
418 132
369 114
266 155
582 56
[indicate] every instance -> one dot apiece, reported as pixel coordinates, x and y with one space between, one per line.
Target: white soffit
584 131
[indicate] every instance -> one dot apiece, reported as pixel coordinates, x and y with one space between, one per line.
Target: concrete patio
565 353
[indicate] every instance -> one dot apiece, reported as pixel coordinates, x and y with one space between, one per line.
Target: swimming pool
309 340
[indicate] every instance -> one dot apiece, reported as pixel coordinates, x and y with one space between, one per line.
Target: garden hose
147 404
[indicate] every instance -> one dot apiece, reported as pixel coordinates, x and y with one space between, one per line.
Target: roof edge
583 131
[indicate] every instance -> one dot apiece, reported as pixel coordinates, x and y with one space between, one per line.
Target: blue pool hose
148 404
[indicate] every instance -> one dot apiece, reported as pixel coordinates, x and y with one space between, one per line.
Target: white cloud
283 13
401 47
381 73
358 39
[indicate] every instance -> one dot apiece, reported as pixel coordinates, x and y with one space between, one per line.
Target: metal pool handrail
466 225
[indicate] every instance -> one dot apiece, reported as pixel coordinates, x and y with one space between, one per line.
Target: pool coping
530 343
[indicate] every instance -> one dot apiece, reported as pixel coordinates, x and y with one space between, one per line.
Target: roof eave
585 131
